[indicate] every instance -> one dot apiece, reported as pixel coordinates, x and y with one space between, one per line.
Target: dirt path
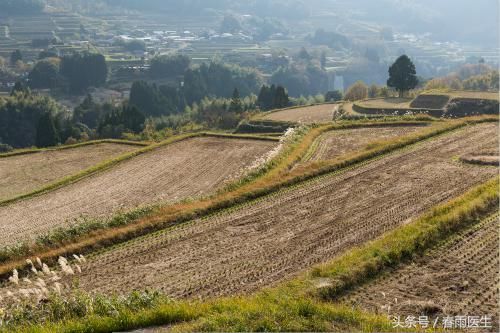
273 239
458 278
306 115
25 173
175 172
337 143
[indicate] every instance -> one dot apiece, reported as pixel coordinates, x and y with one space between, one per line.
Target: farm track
306 115
25 173
459 277
274 238
340 142
190 168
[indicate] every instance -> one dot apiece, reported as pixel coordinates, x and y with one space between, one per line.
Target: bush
334 96
356 92
4 148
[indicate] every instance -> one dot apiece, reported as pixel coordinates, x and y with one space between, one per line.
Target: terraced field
457 278
272 239
306 115
337 143
189 168
24 173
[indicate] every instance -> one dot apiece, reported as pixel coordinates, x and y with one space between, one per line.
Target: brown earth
274 238
306 115
336 143
190 168
458 278
25 173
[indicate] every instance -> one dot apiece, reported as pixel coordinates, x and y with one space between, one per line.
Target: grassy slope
272 179
298 305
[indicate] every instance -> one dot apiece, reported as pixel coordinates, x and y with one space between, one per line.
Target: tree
281 98
402 75
236 104
169 66
304 55
322 60
133 119
15 56
45 74
84 70
356 92
334 96
46 133
230 24
374 91
19 88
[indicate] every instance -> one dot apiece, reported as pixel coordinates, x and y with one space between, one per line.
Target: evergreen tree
280 98
132 118
236 104
323 60
46 133
15 56
402 75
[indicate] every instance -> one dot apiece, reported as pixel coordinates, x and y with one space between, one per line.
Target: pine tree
46 133
236 104
402 75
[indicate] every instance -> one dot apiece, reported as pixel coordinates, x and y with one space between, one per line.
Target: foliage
46 133
84 70
154 101
15 56
20 115
273 97
402 75
133 45
219 80
90 113
230 24
169 66
4 148
302 78
331 39
358 91
334 96
120 120
45 74
485 82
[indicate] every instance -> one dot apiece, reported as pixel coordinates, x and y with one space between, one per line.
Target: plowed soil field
189 168
458 278
336 143
276 237
25 173
306 115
